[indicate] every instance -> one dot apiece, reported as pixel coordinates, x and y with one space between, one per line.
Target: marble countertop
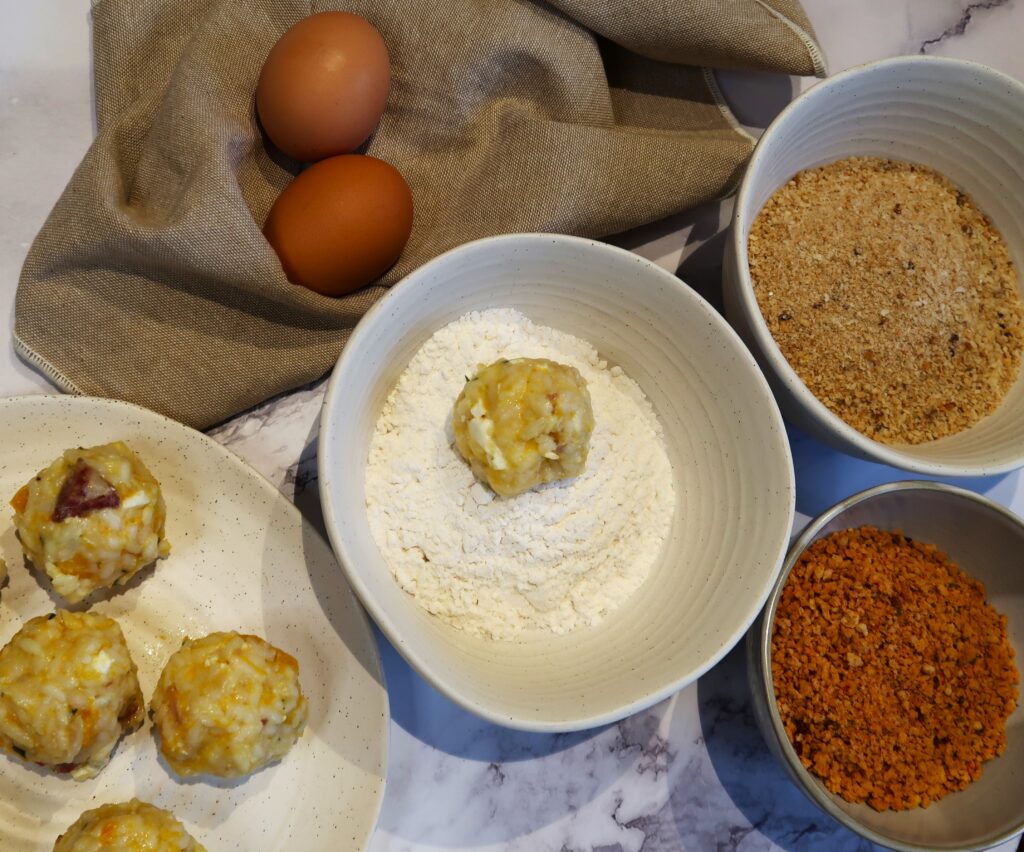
690 773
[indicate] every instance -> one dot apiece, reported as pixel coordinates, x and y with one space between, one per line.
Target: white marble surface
691 773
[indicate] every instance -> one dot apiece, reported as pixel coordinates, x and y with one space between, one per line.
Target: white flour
556 558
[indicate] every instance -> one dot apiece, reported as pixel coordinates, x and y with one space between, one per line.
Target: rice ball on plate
93 518
68 691
127 827
227 704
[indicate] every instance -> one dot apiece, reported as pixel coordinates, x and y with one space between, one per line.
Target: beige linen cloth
151 280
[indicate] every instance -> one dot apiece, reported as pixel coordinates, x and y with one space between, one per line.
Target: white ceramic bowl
734 479
986 541
963 119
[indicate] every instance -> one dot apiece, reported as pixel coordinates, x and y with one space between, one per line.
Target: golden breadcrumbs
891 295
894 678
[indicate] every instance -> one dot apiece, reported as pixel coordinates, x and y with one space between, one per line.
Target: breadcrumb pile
891 295
894 678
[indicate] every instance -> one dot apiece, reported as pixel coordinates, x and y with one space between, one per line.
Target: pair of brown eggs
344 221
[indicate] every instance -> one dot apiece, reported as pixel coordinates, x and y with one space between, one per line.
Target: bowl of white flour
586 599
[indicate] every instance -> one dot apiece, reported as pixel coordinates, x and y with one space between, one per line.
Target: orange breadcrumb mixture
894 678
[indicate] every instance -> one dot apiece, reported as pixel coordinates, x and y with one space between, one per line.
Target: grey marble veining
278 438
691 772
966 19
853 33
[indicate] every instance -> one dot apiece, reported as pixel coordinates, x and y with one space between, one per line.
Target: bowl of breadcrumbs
874 264
885 667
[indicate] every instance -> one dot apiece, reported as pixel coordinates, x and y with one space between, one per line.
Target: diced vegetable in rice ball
68 691
127 827
524 422
93 518
227 704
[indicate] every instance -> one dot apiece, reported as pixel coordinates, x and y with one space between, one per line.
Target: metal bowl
986 541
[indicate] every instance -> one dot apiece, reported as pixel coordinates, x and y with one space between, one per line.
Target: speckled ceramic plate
242 559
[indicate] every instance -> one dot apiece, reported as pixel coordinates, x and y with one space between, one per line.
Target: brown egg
341 223
323 87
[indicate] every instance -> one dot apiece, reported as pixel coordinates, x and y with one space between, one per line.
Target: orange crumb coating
228 704
68 691
132 826
893 676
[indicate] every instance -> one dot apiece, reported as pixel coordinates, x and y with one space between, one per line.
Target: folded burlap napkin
151 280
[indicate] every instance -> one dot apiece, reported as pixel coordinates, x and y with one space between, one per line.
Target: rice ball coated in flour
127 827
523 422
93 518
68 691
227 704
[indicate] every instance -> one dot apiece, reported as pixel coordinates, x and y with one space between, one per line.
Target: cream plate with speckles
242 559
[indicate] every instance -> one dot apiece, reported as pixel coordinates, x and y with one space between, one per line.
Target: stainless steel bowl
986 541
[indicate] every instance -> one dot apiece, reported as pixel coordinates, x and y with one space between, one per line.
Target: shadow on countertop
435 720
825 476
757 785
699 235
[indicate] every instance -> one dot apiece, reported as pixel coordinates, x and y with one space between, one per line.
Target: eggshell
341 223
324 85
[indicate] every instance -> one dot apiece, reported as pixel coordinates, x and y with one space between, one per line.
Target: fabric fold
151 281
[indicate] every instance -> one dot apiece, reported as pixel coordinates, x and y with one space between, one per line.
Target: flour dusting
557 558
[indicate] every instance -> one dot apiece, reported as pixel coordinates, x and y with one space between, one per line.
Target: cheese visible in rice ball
68 691
227 704
127 827
93 518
